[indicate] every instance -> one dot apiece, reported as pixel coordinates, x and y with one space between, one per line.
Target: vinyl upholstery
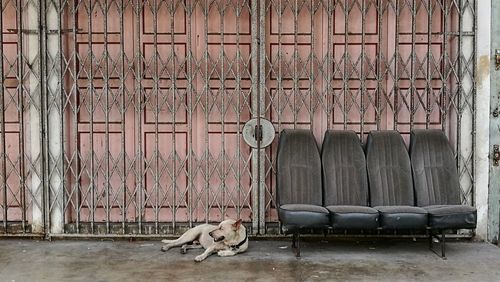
298 181
436 181
391 187
345 182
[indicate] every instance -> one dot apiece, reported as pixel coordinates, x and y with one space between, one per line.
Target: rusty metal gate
126 117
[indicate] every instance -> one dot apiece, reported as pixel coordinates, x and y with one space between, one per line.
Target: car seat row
381 187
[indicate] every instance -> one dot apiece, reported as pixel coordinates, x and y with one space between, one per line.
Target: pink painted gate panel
163 91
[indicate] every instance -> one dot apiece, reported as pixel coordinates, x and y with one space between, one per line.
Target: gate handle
257 134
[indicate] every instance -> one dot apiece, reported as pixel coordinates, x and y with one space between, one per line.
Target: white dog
227 239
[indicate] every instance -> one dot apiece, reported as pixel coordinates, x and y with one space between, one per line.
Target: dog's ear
237 224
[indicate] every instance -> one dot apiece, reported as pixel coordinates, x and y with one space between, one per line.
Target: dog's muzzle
216 239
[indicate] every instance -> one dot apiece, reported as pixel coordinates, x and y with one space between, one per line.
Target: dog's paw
225 253
165 248
199 258
183 251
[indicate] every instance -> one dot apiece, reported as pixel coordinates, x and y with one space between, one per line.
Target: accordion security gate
126 118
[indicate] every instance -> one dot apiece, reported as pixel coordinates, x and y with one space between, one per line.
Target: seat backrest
298 169
389 171
344 169
435 174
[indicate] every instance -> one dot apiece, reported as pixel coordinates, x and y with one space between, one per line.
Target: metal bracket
50 31
496 155
63 31
497 59
25 31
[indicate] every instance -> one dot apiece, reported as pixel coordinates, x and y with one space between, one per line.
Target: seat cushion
294 216
452 216
402 217
353 217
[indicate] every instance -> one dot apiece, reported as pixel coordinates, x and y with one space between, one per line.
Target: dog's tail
168 241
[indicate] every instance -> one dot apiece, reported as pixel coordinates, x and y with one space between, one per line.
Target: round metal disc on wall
251 133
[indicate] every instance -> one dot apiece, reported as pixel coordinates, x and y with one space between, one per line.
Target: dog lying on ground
227 239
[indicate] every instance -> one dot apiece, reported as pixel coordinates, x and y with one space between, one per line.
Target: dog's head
228 231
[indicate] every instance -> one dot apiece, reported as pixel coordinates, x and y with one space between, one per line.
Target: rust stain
483 69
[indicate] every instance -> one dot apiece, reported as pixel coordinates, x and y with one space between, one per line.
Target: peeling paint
482 116
483 70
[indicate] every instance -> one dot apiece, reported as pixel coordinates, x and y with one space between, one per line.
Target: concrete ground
387 260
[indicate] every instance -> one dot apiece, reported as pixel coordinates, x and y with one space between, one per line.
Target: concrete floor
388 260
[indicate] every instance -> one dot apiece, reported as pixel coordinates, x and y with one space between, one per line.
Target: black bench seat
345 183
299 191
435 176
436 183
385 188
391 187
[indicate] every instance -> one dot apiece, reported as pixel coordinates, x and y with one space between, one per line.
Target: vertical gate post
255 98
465 99
3 184
258 108
260 114
35 79
54 123
494 124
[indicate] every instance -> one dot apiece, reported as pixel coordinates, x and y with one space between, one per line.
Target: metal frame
21 96
441 240
166 86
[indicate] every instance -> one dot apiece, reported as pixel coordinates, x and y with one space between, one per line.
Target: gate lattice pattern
137 106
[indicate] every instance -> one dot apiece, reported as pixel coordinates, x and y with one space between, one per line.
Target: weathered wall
494 138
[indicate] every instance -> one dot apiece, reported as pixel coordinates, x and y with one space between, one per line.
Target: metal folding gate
126 117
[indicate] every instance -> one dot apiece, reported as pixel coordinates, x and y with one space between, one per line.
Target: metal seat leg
442 242
443 245
296 244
